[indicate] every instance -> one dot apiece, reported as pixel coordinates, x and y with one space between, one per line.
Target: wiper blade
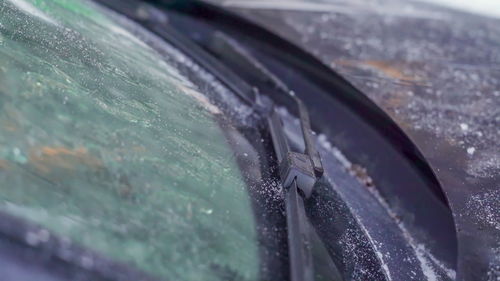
293 166
298 175
298 171
299 246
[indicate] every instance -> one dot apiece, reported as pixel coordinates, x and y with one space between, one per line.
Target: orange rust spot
139 148
53 151
362 175
9 126
395 101
46 158
4 164
388 69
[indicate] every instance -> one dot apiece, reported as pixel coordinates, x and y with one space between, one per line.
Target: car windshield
108 145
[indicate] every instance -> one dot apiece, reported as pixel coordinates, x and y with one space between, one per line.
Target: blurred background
485 7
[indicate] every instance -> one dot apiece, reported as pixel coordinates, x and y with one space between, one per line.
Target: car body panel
435 71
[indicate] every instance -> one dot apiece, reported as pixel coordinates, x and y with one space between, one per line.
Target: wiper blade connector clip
305 167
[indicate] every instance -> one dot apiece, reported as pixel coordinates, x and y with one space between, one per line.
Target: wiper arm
298 171
311 150
230 50
298 175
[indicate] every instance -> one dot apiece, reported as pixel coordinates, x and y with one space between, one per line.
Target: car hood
435 71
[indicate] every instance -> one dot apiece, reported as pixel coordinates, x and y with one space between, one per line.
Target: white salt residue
202 99
384 265
422 254
425 258
87 262
182 64
350 241
494 266
34 238
427 269
37 214
427 261
31 239
241 111
32 10
484 207
41 215
271 189
449 272
485 163
207 211
122 32
322 139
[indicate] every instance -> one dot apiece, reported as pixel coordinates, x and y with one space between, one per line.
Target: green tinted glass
103 142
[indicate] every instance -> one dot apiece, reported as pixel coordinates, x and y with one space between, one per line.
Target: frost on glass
104 143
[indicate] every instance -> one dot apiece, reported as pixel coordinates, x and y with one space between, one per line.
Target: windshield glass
103 142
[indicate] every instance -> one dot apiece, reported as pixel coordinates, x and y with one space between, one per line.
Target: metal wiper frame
298 171
298 176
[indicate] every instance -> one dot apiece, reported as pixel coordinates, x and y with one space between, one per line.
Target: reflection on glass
104 143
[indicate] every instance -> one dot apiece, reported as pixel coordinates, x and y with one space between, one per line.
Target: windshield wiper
298 171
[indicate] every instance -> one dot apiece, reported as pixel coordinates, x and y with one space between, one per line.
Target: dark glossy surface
435 72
